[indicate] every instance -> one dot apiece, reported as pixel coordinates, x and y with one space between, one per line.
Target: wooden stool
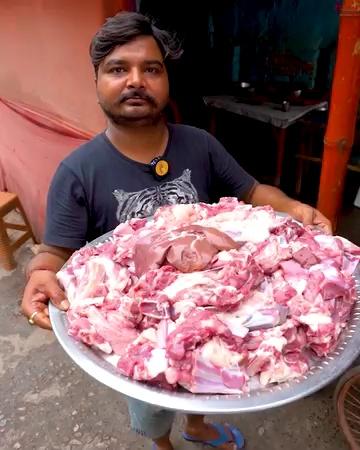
9 202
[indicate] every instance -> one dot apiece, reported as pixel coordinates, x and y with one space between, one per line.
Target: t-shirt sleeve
66 212
230 179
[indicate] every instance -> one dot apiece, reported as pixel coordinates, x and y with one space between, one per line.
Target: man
139 163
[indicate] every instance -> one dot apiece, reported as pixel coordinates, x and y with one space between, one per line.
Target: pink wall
44 57
46 66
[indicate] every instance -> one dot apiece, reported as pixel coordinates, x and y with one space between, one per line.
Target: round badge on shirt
160 167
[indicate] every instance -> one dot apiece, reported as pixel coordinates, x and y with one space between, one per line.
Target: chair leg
25 219
6 256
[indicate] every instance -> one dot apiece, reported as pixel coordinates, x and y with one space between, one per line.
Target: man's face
132 83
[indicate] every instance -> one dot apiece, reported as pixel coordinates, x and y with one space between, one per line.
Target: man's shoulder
198 138
85 152
189 131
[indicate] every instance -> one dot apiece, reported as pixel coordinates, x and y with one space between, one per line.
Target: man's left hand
262 194
309 216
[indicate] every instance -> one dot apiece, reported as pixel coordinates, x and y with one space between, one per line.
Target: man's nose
135 79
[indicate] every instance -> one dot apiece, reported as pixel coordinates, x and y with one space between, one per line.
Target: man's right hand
42 286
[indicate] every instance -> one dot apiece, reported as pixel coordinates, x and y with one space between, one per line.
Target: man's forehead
141 48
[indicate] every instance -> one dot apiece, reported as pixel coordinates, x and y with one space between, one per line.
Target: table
267 112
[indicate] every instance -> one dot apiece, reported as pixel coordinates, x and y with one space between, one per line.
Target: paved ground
48 403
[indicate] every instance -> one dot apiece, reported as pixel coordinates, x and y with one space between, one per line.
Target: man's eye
117 70
152 70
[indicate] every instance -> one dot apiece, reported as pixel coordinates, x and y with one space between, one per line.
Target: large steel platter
321 374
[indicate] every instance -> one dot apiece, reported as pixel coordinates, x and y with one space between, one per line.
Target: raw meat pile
216 298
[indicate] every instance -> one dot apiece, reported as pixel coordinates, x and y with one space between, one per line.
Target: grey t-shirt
96 187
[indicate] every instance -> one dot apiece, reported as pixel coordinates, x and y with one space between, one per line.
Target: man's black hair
125 27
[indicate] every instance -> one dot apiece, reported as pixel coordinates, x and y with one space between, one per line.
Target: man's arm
49 258
263 194
65 231
239 183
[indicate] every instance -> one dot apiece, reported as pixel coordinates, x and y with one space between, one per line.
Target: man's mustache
136 93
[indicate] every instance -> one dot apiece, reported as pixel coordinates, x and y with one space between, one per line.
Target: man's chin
134 119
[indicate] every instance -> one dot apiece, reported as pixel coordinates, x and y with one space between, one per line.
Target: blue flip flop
237 437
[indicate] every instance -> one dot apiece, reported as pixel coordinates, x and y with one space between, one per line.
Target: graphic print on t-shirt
144 203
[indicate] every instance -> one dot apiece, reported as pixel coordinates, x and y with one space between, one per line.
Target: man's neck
141 143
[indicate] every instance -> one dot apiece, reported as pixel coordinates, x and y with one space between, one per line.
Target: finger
30 300
42 320
326 227
46 311
56 295
39 306
308 216
26 304
63 304
323 222
39 297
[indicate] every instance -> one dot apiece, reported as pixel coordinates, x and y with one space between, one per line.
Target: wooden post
345 97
